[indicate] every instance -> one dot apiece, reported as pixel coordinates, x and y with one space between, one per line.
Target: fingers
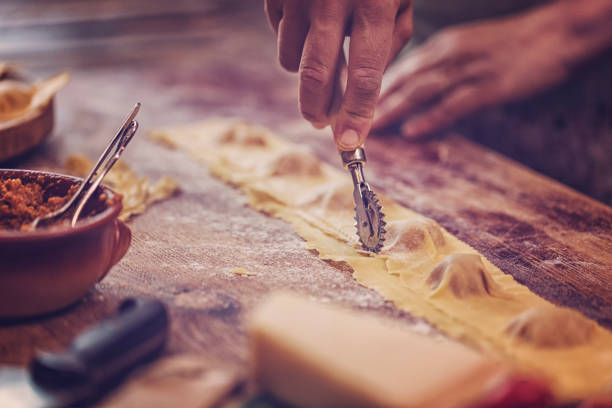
417 62
292 30
459 103
319 60
273 9
410 95
414 91
401 33
371 34
435 53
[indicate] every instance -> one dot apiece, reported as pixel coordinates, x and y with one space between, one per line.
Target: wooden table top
189 60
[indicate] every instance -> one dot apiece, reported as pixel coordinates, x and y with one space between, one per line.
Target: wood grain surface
190 60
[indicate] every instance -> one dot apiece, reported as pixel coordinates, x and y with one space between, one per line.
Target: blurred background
188 54
182 59
107 32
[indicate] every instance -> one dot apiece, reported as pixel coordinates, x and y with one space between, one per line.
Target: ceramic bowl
47 269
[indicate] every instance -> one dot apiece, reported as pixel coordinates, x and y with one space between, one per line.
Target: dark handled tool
97 360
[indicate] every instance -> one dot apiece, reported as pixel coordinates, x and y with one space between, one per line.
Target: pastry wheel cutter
369 217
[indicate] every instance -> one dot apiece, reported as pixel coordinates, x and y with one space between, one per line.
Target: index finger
371 38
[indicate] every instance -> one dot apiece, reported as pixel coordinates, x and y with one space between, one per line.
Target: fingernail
349 139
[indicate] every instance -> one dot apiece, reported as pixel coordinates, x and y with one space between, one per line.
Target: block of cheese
314 355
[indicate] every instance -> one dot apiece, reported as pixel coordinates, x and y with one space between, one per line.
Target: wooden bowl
47 269
21 135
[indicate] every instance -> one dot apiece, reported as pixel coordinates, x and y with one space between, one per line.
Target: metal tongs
368 211
106 161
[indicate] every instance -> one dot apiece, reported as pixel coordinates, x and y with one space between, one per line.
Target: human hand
466 68
310 38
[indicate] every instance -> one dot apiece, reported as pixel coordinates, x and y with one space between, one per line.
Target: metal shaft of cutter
356 170
368 214
360 187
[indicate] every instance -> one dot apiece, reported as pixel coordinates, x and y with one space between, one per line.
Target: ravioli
422 269
551 327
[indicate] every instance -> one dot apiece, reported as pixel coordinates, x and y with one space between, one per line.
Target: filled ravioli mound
243 135
338 199
550 327
297 164
412 235
462 275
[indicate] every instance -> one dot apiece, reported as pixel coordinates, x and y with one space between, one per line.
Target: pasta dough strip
511 320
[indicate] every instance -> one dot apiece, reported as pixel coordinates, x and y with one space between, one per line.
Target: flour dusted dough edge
399 275
137 192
